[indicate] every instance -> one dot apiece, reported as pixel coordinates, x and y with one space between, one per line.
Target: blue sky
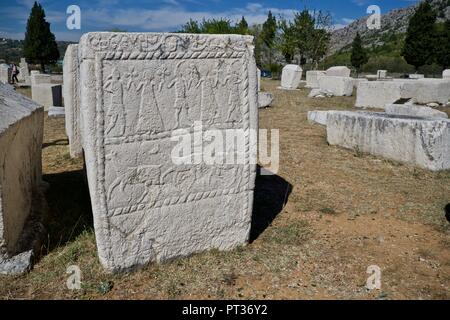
168 15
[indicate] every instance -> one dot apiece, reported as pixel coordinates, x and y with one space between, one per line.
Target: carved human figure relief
115 113
209 105
149 116
181 107
234 80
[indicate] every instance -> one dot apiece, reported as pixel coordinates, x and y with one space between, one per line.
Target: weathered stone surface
291 77
258 74
416 76
57 78
312 78
47 94
423 142
56 112
339 71
5 73
140 93
21 131
380 93
381 74
40 78
446 74
318 117
71 75
415 111
264 99
337 86
314 93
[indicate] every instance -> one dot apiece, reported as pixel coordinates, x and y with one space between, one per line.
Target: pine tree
269 32
420 37
442 47
40 45
359 55
242 26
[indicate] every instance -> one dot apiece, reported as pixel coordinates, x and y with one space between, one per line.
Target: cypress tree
442 48
359 55
420 37
39 45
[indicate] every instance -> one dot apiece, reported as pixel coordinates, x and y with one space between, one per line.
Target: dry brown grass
346 211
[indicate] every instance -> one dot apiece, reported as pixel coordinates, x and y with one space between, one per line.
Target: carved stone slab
71 94
140 95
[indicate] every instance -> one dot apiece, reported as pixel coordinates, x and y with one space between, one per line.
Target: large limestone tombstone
72 99
5 73
140 94
291 77
21 132
312 78
339 71
446 74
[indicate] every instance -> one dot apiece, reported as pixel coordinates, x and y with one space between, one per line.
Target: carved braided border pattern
99 58
124 55
176 200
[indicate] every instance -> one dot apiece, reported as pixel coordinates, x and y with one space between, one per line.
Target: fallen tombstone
291 77
56 112
424 142
264 99
378 94
338 71
21 133
318 117
140 93
415 111
337 86
416 76
72 100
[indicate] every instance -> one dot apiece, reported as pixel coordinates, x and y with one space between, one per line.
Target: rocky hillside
395 21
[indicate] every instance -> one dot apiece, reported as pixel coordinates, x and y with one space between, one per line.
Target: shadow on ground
271 195
59 142
70 211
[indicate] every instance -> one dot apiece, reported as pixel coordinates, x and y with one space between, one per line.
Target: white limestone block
423 142
416 76
446 74
339 71
71 74
140 94
337 86
21 132
414 111
291 77
258 74
5 73
381 74
56 112
40 78
318 117
47 94
312 78
264 99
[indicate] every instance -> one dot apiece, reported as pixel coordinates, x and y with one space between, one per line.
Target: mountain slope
395 22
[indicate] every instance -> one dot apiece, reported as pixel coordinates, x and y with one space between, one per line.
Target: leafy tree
269 32
321 36
39 45
217 26
359 55
303 28
442 47
286 42
420 37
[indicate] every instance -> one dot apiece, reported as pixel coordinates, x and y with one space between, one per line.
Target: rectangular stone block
40 78
446 74
47 94
337 86
71 94
5 73
291 77
339 71
141 95
423 142
415 111
312 78
21 132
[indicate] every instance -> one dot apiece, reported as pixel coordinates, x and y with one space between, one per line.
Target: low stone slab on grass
415 111
423 142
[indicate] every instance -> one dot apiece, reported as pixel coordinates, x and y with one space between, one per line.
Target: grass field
317 226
